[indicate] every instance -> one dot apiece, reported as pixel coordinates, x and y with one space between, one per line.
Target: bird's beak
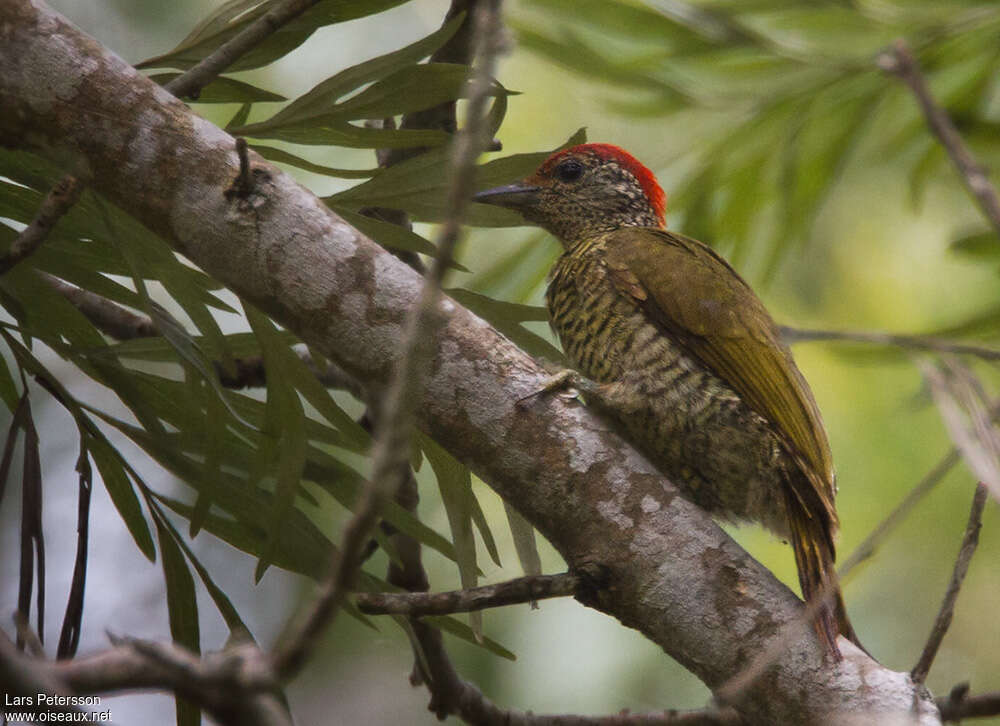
519 196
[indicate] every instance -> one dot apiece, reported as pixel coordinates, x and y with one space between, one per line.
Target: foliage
791 94
789 90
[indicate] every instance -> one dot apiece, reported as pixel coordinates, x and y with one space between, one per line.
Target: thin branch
61 197
910 342
194 79
969 543
109 317
900 62
511 592
959 705
963 406
394 424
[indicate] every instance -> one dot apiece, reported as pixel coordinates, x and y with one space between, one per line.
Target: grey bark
673 574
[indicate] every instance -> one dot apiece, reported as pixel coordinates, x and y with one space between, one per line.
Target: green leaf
455 485
46 314
285 424
301 543
479 519
119 487
923 171
283 157
420 186
983 246
341 133
182 607
309 561
225 90
8 389
240 117
213 434
517 274
26 168
410 89
524 541
507 318
222 602
323 97
231 18
391 235
574 52
346 490
461 630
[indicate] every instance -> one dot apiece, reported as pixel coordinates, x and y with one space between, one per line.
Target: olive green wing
694 295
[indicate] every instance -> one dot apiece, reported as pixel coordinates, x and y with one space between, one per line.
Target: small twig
61 197
243 184
962 403
911 342
395 420
511 592
109 317
190 83
900 62
959 705
969 543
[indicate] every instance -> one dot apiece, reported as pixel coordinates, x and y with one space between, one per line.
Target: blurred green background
876 255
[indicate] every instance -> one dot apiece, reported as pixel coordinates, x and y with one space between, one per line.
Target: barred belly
687 420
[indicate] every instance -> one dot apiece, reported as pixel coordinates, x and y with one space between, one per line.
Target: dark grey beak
517 196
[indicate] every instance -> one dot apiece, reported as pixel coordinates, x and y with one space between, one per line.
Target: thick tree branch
233 685
673 573
901 63
943 620
395 422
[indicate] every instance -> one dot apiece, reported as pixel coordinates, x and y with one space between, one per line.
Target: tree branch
912 342
943 620
233 685
63 195
394 424
511 592
194 79
900 62
673 573
959 705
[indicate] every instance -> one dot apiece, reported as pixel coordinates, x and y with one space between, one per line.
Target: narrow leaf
119 487
524 541
182 608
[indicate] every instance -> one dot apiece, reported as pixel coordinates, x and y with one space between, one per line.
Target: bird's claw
567 383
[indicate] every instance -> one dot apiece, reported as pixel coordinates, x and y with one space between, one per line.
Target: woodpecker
676 348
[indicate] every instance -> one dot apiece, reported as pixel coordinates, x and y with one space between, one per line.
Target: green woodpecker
680 352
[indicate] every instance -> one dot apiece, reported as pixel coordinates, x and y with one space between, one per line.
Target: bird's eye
569 170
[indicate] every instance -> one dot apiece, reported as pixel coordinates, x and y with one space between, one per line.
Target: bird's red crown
651 187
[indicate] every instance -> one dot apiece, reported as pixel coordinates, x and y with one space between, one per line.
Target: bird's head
583 191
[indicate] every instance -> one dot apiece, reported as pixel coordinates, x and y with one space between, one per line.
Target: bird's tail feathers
814 557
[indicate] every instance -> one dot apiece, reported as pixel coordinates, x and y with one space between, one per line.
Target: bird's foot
567 382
